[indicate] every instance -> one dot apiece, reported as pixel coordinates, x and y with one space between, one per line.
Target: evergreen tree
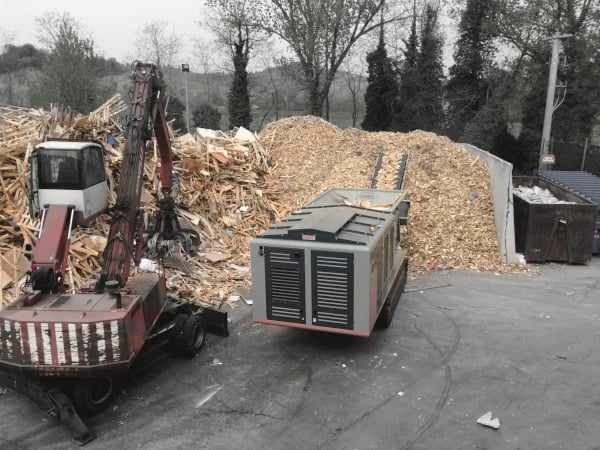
467 86
239 97
205 116
488 128
381 89
574 119
235 24
488 122
176 112
534 105
405 104
429 111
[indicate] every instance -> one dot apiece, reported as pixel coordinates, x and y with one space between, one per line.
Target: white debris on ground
486 420
537 194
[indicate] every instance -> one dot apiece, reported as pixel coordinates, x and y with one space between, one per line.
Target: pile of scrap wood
20 130
222 189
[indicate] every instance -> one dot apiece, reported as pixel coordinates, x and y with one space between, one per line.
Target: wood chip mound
451 219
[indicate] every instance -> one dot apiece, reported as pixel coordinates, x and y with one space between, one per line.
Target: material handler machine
67 351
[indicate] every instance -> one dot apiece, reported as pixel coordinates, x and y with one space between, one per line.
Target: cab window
93 166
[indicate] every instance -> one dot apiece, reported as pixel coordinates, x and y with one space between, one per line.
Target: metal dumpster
561 231
584 184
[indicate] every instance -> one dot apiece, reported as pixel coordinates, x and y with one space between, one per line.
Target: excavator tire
192 337
176 333
93 395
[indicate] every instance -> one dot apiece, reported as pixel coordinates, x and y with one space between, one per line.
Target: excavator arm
126 237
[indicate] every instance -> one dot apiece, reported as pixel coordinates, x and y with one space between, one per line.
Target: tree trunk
316 101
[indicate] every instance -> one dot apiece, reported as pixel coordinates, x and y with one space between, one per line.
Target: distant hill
273 96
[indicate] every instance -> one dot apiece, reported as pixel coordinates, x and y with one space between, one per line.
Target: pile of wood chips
451 219
232 186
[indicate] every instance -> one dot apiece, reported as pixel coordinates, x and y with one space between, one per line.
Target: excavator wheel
192 337
93 395
176 333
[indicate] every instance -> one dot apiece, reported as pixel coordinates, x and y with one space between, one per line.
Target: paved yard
525 347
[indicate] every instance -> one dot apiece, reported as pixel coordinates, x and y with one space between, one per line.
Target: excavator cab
69 172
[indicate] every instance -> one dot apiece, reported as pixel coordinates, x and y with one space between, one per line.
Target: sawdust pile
451 220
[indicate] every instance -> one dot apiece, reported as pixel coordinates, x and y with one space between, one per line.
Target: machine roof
330 224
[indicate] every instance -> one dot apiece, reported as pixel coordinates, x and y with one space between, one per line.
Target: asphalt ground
524 347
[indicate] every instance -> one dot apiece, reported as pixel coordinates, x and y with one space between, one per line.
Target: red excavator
67 351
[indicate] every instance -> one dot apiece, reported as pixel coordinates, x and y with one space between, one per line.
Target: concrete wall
501 181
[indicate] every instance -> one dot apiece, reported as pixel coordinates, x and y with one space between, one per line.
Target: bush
205 116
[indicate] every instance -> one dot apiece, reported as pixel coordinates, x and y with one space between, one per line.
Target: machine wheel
192 337
385 316
94 395
176 333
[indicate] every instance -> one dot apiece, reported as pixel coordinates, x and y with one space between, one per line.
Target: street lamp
185 68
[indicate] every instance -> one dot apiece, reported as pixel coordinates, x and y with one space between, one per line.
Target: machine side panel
332 289
285 285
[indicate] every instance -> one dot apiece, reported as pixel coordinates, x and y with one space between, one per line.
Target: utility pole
545 158
185 68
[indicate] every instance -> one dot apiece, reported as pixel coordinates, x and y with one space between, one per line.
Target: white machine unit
336 265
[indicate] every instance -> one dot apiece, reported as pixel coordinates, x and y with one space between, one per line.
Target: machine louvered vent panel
285 284
332 289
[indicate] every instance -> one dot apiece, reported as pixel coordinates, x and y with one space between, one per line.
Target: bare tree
321 34
527 24
6 38
52 24
354 82
157 44
204 53
233 22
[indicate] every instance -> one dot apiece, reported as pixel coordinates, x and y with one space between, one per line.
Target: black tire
192 337
176 333
93 395
385 316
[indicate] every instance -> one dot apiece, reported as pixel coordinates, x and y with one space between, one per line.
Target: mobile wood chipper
337 264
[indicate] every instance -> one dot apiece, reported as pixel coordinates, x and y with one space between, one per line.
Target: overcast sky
113 24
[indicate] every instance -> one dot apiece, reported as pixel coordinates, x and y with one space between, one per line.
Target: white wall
501 181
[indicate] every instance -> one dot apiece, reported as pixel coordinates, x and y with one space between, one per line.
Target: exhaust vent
285 284
332 289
